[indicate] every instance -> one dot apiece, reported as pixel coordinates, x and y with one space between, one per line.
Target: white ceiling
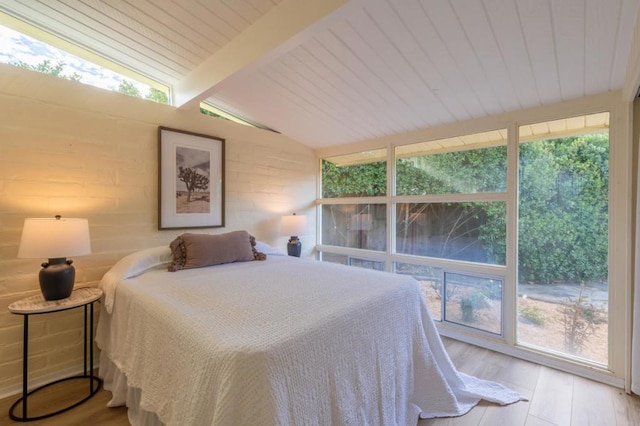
328 72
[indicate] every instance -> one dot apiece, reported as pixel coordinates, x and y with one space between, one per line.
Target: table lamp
294 226
55 239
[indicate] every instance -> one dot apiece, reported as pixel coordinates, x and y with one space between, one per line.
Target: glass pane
429 279
362 174
361 226
352 261
473 301
334 258
364 263
465 164
21 50
563 240
474 232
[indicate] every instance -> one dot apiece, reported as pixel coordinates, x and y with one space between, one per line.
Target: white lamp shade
293 225
53 238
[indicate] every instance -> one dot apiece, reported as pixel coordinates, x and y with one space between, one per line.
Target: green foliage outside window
563 200
126 86
46 67
361 180
211 113
563 224
453 172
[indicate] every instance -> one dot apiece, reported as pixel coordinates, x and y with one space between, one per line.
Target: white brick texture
94 155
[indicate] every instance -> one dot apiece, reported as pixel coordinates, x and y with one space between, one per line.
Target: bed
283 341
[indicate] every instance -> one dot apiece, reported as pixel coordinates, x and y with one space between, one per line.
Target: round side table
37 305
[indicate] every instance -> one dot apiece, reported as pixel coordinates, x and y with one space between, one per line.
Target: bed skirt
115 381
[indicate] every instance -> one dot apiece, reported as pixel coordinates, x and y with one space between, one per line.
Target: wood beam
283 28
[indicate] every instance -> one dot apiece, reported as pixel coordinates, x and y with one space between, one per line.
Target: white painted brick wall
78 151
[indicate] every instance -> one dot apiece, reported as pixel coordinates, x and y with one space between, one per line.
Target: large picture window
563 237
506 234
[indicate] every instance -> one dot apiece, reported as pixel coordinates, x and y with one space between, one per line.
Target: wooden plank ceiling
329 72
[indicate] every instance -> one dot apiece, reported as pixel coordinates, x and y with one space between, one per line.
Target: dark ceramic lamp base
294 247
56 278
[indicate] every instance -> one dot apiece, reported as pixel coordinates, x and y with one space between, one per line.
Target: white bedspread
284 342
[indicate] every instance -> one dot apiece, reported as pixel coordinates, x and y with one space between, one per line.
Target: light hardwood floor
555 398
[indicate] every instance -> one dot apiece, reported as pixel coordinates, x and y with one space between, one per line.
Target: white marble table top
37 305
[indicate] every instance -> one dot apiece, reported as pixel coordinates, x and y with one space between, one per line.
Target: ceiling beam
283 28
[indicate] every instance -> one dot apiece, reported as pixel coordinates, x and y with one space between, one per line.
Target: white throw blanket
285 342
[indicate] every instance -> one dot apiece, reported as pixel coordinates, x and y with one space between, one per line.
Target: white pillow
131 266
268 250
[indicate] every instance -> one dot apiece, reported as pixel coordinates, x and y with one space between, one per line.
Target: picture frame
190 180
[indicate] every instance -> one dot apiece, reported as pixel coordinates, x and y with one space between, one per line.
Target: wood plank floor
555 398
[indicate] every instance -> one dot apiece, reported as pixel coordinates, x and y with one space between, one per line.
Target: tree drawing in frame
193 176
190 180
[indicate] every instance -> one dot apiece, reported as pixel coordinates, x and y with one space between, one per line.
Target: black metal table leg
84 352
94 382
91 351
25 360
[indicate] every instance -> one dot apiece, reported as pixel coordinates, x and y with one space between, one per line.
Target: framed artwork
190 180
